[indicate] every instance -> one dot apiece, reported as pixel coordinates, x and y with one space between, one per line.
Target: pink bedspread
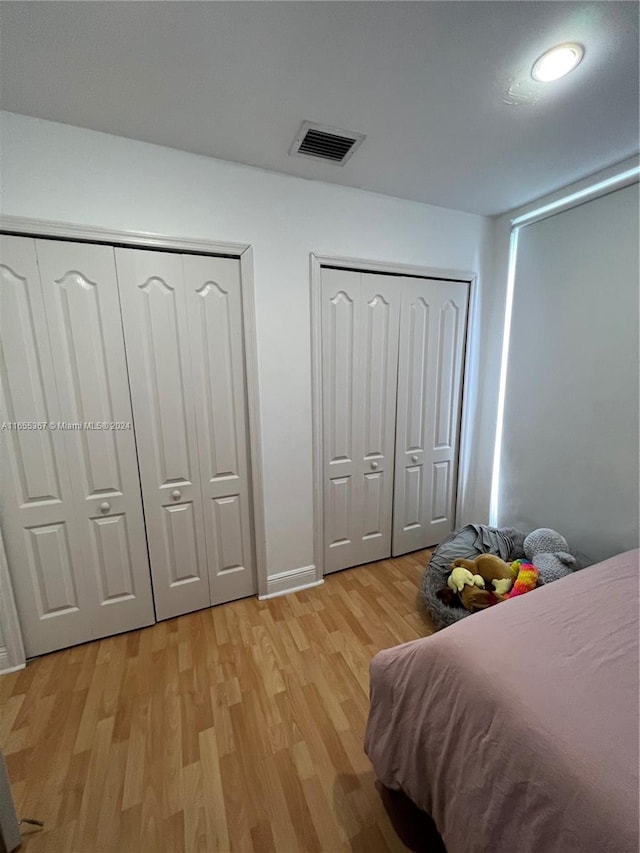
517 728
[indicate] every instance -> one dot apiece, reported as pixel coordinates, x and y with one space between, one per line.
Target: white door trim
12 654
141 239
316 262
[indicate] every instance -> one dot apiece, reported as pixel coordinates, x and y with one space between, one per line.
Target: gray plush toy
549 553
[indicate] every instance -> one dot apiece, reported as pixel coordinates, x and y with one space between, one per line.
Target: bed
517 729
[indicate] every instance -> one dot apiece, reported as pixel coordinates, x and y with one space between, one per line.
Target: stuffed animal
526 577
487 580
472 598
549 553
461 577
495 572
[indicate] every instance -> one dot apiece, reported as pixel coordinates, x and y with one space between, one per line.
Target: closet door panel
39 526
360 315
339 344
117 560
26 376
83 314
341 416
214 308
230 548
379 310
339 515
180 544
85 329
446 384
415 396
373 506
432 338
411 497
52 570
154 313
444 426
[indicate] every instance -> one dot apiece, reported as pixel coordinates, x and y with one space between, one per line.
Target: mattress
517 729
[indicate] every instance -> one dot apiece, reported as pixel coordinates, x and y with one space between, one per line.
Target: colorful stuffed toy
526 577
487 580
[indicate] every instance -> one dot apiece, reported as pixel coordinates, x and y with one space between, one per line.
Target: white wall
56 172
599 526
570 439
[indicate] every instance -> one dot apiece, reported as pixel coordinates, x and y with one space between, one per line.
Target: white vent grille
325 143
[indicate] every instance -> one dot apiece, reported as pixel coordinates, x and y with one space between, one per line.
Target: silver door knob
176 494
374 464
414 458
105 506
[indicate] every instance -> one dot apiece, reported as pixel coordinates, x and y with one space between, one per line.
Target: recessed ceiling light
557 62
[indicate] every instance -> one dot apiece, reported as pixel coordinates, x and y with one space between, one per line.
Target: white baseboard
5 669
293 580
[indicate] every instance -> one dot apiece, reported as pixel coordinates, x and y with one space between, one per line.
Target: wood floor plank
237 728
215 815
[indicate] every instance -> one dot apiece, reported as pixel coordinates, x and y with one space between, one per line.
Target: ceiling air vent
325 143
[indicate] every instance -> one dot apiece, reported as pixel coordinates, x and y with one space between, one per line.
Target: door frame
316 262
12 655
34 228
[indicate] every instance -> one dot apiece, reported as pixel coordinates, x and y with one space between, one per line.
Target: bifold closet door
71 506
430 368
214 312
392 364
360 320
154 314
183 330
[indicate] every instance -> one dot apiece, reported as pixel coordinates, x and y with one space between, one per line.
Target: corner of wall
481 382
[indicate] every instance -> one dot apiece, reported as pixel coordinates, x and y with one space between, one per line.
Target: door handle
374 464
176 494
414 459
105 506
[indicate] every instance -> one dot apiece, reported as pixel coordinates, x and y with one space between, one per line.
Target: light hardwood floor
234 728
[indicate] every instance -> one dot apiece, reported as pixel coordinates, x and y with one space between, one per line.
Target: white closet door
340 363
154 312
432 341
379 320
74 579
85 331
359 352
38 522
214 309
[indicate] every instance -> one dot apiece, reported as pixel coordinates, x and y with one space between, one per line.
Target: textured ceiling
427 82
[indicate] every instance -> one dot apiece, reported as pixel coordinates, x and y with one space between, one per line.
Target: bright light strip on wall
572 200
504 363
601 188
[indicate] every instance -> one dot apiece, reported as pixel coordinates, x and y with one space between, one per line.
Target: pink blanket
517 728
